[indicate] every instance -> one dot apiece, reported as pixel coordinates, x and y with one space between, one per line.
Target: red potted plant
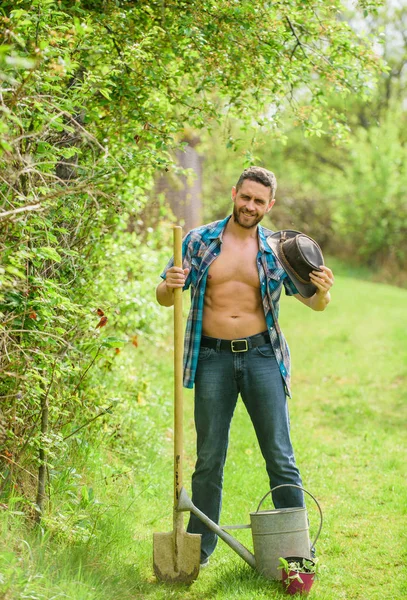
298 574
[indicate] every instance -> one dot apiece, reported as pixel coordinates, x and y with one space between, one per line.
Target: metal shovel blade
176 556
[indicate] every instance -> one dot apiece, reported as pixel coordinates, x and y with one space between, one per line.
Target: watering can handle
309 494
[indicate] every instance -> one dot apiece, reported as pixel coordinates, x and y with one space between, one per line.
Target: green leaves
47 252
112 342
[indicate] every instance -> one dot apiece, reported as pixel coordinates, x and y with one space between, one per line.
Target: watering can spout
185 504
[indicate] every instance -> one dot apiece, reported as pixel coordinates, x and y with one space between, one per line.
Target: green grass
348 419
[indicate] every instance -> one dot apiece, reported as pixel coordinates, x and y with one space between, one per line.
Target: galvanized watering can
279 532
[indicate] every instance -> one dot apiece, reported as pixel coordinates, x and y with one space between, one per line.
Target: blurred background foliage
96 98
349 192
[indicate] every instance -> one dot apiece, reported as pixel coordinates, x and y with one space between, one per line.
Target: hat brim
306 290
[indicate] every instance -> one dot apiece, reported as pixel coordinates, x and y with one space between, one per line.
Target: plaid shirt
200 248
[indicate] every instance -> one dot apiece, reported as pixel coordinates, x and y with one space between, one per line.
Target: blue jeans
220 377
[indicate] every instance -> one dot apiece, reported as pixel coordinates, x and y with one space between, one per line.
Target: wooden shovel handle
178 371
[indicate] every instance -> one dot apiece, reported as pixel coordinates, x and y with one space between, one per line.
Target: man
233 342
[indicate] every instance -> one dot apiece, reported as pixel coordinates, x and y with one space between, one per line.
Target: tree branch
42 470
88 422
296 37
15 211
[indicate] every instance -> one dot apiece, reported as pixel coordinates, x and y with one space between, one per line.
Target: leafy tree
348 193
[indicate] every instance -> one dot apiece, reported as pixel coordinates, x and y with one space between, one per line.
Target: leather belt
239 345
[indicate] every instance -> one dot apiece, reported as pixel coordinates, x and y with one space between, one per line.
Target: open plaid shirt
200 248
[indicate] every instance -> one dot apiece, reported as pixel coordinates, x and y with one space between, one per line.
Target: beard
239 221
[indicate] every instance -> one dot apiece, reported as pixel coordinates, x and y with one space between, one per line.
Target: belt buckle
245 349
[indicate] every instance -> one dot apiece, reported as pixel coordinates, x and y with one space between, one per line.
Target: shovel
177 554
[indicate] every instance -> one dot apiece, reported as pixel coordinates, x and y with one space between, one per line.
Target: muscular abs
233 305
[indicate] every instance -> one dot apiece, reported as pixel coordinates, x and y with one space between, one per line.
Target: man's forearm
164 294
319 301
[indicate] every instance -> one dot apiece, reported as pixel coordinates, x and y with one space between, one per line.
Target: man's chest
235 264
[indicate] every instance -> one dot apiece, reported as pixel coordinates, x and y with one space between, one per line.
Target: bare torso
233 305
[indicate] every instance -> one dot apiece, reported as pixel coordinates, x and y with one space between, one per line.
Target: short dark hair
260 175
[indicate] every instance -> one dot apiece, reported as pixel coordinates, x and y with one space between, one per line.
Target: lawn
348 422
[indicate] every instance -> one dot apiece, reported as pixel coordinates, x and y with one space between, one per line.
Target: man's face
251 202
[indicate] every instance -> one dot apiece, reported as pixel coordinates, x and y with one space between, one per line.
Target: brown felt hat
299 255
